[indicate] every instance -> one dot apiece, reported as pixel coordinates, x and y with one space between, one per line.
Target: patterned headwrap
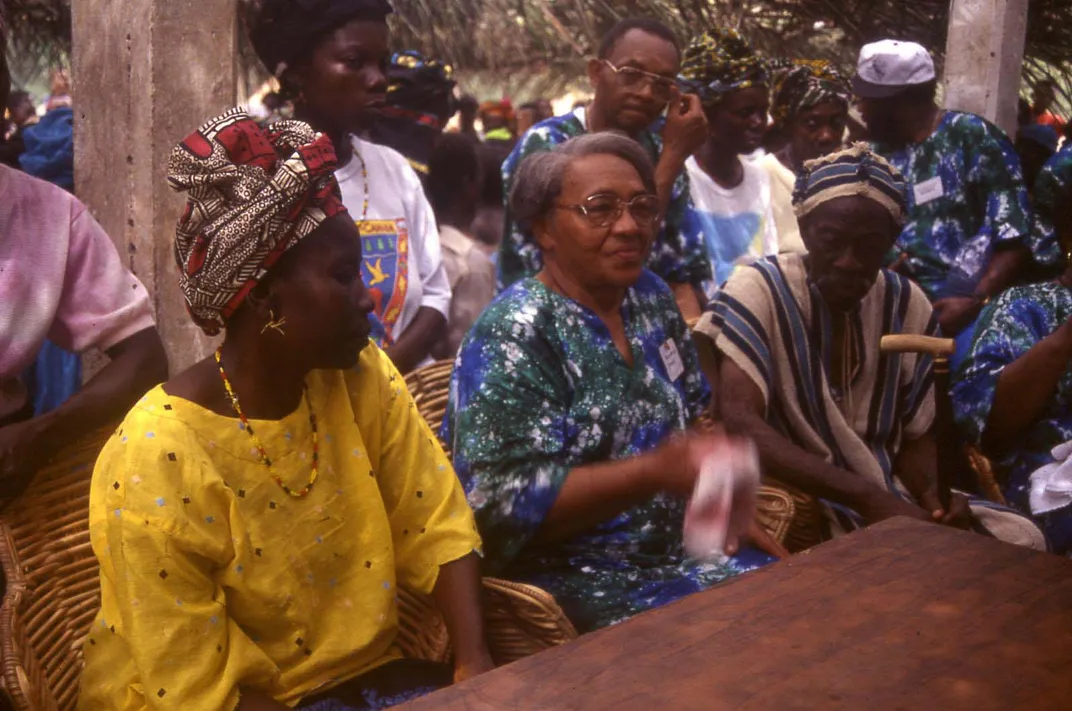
284 31
420 101
803 83
252 194
420 89
853 171
720 61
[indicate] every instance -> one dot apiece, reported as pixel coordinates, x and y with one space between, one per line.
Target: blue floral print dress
539 388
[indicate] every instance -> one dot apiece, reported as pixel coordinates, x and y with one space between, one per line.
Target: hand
23 449
472 666
959 514
677 462
956 313
686 126
722 504
883 505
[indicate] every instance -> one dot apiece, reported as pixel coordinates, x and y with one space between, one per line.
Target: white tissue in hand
1051 484
724 500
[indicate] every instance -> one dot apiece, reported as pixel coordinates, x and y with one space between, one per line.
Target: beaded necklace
365 181
304 491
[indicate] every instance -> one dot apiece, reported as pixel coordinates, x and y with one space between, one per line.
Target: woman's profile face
319 291
612 255
344 79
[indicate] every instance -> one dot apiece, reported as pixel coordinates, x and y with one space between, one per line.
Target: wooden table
905 615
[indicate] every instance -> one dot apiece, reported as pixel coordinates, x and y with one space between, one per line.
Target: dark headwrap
720 61
420 101
285 31
851 172
420 89
252 194
803 83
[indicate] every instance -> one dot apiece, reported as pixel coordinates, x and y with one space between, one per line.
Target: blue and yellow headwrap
855 171
720 61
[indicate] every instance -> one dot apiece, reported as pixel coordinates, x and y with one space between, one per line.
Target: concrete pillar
146 73
984 58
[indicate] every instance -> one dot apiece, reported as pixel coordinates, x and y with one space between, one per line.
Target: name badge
928 190
672 360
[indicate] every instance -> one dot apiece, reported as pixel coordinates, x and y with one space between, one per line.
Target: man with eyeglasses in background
634 81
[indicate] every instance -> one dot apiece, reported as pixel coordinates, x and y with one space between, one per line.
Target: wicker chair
52 594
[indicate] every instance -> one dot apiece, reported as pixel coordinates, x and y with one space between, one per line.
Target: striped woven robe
772 322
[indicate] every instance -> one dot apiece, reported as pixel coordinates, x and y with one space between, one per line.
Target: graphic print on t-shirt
730 240
385 271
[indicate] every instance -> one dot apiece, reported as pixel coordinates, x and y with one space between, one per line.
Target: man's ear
595 72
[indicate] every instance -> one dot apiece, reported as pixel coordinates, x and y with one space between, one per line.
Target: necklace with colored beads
365 181
304 491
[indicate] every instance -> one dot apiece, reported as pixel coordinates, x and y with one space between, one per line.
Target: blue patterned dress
1051 187
678 254
1007 330
539 388
966 195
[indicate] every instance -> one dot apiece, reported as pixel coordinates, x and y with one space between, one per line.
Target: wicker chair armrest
520 620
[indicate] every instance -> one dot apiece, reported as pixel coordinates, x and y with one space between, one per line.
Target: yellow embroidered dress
213 578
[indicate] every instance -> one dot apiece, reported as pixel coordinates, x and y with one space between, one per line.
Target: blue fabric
727 239
963 346
49 151
1044 136
1007 330
982 203
53 378
1051 190
390 685
539 389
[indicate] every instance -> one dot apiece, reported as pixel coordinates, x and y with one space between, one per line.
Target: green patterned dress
539 388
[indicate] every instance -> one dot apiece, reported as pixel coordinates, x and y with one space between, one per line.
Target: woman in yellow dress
254 515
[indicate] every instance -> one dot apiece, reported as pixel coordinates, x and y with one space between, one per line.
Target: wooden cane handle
909 343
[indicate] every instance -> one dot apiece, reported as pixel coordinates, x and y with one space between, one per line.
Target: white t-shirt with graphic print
401 261
737 223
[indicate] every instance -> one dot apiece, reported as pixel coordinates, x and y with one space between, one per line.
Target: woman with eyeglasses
572 394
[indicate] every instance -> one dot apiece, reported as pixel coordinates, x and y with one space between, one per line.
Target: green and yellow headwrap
803 83
720 61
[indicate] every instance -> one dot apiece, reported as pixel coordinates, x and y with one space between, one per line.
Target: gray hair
538 182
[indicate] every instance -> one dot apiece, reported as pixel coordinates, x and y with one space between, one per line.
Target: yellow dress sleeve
431 522
160 527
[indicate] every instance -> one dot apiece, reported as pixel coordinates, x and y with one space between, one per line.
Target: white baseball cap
889 67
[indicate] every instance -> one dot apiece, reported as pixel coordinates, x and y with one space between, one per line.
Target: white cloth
61 278
1051 484
782 182
402 264
472 284
723 501
737 223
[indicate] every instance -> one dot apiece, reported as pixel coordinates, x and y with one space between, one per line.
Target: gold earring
274 324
